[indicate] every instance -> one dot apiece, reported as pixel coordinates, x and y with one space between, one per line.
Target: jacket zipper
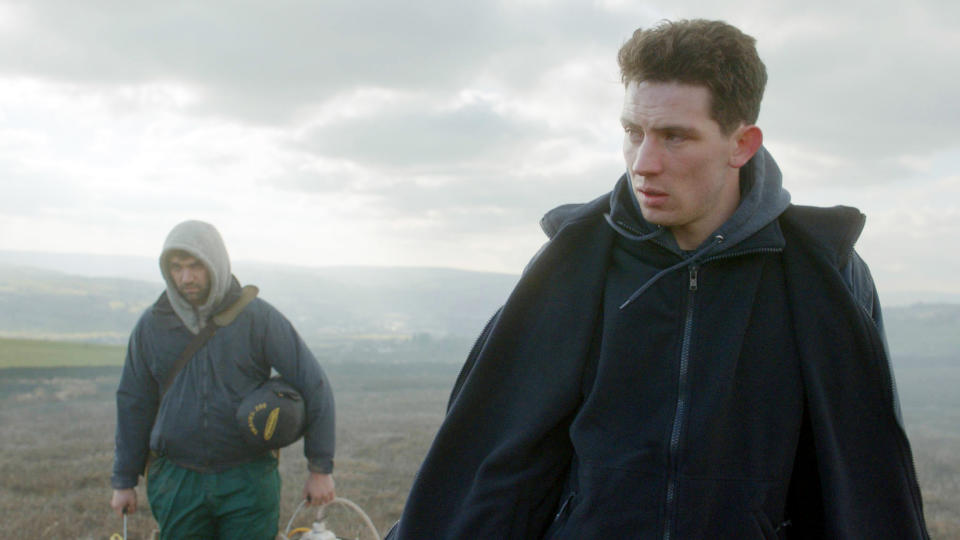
673 471
680 413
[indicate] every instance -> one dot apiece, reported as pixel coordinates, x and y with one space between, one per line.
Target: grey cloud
312 182
33 193
509 198
265 60
467 198
839 170
874 84
428 141
452 164
874 89
269 56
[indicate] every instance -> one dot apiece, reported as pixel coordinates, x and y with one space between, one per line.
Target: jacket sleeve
290 356
863 462
137 402
499 462
805 511
857 276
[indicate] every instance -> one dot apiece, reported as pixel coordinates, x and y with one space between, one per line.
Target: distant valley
364 312
347 312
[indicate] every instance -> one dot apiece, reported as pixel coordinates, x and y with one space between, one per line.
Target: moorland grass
29 353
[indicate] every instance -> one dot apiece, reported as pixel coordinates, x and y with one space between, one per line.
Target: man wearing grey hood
205 479
689 356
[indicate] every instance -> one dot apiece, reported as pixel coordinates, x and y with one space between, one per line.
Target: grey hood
201 240
762 200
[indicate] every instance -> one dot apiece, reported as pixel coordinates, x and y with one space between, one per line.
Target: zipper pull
694 273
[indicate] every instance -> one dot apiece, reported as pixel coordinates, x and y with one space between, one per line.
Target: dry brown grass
56 436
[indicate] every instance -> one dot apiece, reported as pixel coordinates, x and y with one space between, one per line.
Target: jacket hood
762 200
202 241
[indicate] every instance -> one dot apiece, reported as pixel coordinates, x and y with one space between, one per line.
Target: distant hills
924 330
39 303
332 307
327 305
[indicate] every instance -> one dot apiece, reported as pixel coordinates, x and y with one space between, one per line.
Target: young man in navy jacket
690 355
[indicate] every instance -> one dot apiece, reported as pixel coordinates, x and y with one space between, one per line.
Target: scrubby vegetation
56 428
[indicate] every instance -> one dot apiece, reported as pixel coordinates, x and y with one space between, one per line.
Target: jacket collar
752 226
170 319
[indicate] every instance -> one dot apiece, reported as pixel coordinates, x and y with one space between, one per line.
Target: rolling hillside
357 308
327 305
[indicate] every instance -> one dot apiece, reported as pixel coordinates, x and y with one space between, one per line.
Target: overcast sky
437 132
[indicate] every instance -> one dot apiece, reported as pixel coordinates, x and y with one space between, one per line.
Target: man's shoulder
242 301
566 214
157 313
832 231
831 234
262 312
260 306
157 327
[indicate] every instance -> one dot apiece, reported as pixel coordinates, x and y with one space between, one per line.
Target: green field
26 353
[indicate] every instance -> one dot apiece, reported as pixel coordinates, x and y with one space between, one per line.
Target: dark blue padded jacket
195 426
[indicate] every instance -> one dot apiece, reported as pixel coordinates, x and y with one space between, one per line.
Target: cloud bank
437 133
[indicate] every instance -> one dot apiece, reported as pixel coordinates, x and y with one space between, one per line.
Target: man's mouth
653 194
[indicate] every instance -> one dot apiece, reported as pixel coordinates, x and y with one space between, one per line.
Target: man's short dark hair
705 53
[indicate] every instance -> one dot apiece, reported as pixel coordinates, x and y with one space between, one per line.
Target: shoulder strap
224 318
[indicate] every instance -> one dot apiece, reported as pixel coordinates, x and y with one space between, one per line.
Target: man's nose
647 159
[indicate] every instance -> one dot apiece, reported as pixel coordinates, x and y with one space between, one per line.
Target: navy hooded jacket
628 389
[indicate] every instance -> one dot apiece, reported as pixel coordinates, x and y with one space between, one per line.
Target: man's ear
748 140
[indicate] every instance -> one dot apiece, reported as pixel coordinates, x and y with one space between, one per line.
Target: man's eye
675 137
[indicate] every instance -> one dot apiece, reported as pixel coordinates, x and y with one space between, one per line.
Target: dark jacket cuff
123 481
320 465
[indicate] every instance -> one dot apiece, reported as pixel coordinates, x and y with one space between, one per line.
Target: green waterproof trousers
242 502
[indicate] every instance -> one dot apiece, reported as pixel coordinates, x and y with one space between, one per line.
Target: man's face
679 160
191 278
